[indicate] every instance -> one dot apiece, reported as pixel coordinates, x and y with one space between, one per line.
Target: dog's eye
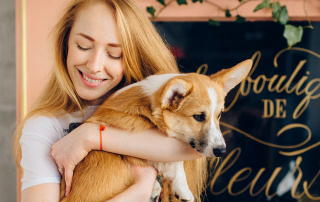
219 116
199 117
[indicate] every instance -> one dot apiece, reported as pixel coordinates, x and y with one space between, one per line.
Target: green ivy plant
280 15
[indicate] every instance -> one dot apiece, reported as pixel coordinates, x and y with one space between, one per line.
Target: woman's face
94 53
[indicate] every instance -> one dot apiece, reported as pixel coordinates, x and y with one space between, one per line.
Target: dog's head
192 104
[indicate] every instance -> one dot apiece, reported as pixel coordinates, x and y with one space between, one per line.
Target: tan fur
102 175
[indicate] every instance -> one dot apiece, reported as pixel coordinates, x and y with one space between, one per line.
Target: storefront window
271 124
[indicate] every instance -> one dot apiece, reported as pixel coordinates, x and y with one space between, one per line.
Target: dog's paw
190 198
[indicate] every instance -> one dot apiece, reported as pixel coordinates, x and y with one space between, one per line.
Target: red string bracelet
102 128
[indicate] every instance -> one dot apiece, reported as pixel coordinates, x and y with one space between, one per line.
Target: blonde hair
144 54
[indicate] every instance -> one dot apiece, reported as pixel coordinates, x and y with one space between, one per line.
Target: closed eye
114 57
82 48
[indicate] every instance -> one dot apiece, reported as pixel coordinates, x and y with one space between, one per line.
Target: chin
93 95
88 97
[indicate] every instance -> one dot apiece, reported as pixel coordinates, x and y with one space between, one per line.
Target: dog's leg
174 172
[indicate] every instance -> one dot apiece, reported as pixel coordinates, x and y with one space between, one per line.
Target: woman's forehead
98 22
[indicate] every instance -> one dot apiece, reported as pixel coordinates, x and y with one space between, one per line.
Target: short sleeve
38 136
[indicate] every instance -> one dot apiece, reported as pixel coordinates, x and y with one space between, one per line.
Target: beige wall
41 18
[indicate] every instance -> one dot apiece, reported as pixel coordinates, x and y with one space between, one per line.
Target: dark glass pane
268 107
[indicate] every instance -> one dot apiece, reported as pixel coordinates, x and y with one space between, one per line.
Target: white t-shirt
38 136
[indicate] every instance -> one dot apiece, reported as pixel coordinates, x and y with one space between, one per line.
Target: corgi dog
184 106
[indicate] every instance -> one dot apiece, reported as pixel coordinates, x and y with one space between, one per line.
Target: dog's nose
219 151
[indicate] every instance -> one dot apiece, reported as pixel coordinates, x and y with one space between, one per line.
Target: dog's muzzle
206 149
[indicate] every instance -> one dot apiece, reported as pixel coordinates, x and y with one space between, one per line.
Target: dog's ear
231 77
174 92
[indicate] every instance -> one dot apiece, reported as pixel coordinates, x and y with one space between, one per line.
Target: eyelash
113 57
81 48
110 56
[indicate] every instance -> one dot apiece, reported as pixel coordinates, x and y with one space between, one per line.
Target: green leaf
214 22
284 17
264 4
180 2
162 2
240 19
151 10
293 34
194 1
276 11
228 14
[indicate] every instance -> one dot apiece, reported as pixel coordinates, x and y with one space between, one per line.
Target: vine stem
223 9
163 8
236 8
305 11
241 4
214 4
207 1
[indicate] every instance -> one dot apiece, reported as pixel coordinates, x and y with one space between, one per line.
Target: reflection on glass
271 121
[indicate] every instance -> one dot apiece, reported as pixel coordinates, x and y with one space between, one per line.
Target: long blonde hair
144 54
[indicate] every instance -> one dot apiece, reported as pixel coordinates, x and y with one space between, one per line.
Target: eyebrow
86 36
91 39
115 45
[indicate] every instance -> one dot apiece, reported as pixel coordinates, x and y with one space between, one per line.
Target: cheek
69 65
70 58
75 57
121 67
120 70
116 70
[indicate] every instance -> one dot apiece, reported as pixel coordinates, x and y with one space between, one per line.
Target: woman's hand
71 149
141 190
145 177
146 174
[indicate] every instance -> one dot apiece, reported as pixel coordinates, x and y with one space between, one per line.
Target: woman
100 46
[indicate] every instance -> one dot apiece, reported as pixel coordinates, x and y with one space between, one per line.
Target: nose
95 62
219 151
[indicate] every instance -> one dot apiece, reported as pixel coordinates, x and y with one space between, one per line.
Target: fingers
68 178
61 170
68 174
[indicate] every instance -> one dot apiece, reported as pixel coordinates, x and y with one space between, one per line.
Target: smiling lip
90 84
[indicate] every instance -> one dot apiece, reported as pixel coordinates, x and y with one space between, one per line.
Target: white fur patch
213 98
215 134
152 83
126 88
174 172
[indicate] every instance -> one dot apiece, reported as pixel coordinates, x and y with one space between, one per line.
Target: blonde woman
100 46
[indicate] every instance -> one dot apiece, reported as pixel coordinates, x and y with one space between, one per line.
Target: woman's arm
49 192
150 144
